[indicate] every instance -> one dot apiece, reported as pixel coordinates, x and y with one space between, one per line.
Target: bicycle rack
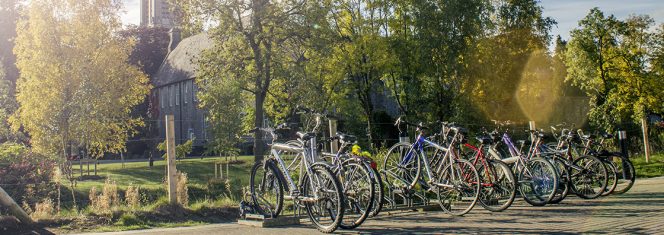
396 199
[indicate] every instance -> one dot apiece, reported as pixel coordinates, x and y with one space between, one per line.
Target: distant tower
156 13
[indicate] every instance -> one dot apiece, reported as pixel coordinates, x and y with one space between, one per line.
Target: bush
109 197
133 196
182 189
26 176
43 210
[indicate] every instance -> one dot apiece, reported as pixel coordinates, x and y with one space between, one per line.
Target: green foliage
181 150
611 60
76 87
26 175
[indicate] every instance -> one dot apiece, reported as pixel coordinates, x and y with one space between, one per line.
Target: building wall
156 13
179 99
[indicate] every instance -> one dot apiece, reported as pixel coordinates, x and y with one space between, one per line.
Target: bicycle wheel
612 177
498 186
626 173
401 166
326 202
359 192
563 182
538 181
267 191
380 190
589 180
462 195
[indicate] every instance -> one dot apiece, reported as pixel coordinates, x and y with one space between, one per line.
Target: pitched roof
181 63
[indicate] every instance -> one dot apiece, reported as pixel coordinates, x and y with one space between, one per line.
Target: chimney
174 33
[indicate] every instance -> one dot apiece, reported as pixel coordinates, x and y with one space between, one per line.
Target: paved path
640 211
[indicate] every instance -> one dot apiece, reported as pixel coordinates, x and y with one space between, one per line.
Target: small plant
108 199
44 210
133 196
182 189
181 150
94 199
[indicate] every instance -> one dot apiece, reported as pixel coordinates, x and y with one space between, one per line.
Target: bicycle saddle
346 138
306 136
607 136
484 139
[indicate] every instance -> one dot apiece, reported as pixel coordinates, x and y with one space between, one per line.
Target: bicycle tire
275 180
563 183
539 177
502 181
590 181
466 189
359 193
334 203
396 174
627 174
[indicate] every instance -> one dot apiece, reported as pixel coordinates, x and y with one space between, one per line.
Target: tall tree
253 39
76 88
9 15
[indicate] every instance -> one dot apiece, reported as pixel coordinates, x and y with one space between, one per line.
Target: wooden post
531 125
334 145
170 152
15 209
646 144
122 159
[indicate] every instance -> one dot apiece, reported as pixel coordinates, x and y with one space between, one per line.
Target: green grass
200 173
654 168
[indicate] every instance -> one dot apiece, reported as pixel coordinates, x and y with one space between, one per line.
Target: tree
150 49
5 104
611 61
9 15
253 39
76 88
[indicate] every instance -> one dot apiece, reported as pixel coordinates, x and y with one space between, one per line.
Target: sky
566 12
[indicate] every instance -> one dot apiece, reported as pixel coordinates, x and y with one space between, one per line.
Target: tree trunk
258 122
14 209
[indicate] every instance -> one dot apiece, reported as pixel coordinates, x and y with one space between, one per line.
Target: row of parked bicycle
343 189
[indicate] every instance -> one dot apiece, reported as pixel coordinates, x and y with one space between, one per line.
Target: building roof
181 63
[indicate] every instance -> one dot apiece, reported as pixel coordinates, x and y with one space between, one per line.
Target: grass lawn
654 168
200 173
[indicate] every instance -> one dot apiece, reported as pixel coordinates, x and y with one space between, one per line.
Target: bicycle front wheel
589 180
538 181
461 188
612 178
267 191
498 185
359 192
401 166
325 202
563 180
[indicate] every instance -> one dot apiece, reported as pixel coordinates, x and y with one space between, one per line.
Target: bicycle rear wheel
563 183
464 190
626 173
401 166
589 180
498 186
538 181
327 211
359 192
612 178
266 187
380 191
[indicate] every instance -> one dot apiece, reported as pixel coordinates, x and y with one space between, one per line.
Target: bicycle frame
418 147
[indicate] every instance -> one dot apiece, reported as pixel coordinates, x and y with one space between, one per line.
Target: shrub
133 196
43 210
26 175
108 198
182 189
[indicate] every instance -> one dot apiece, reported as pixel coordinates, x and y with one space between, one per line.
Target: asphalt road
640 211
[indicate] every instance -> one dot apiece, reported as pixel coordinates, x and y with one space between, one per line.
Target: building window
177 94
186 92
171 95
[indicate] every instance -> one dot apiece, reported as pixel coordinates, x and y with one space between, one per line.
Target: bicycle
619 165
455 181
537 177
318 189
